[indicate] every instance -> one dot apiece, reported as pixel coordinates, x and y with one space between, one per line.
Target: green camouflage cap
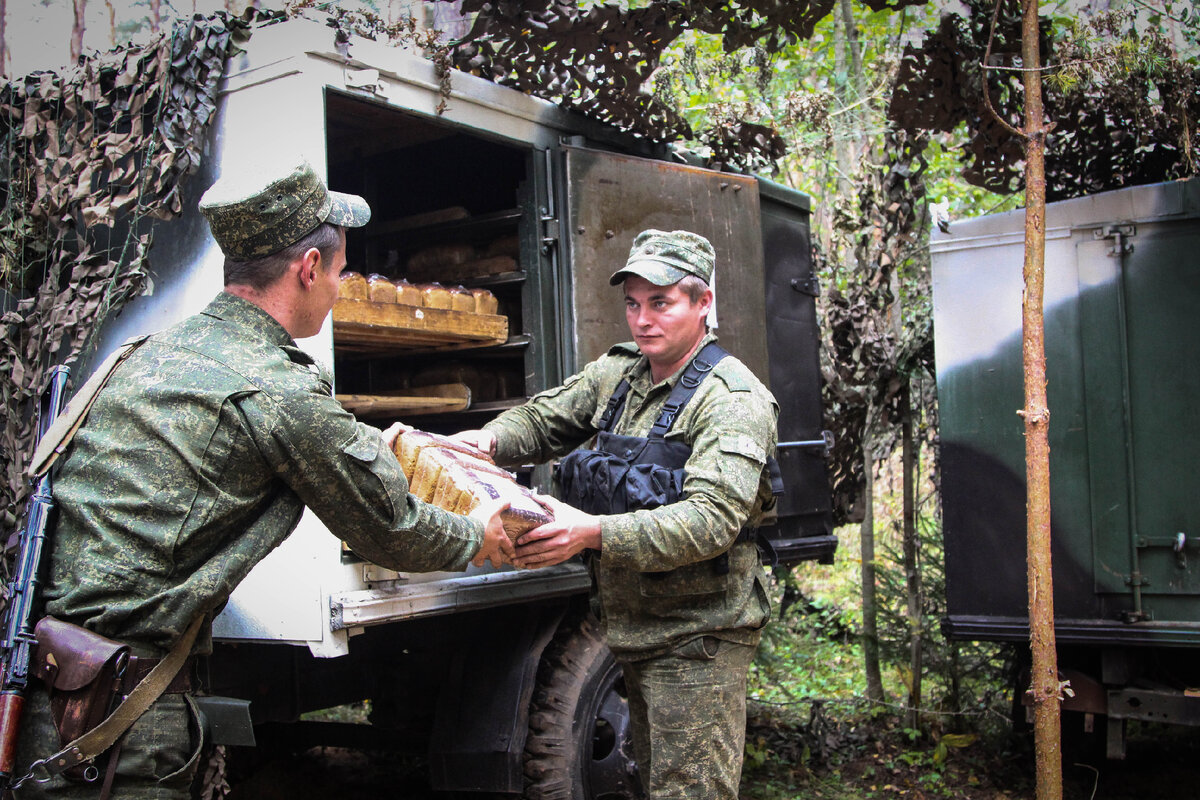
254 213
665 258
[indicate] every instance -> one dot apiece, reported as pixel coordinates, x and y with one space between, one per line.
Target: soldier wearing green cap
199 455
665 443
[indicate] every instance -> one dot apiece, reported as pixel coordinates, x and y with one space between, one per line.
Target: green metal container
1122 319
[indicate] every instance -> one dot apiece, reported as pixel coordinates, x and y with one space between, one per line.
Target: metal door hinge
549 231
1120 235
810 287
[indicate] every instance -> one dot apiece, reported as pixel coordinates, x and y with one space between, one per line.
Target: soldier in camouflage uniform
202 451
680 594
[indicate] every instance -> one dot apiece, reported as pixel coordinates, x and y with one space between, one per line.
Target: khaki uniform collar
232 308
640 372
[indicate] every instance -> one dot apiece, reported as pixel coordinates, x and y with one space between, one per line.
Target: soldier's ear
310 262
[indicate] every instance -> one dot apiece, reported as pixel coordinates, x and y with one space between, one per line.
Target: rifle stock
18 640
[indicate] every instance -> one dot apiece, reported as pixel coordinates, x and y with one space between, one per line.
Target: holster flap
70 657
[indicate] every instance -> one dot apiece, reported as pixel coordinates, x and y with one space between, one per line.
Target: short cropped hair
259 273
693 286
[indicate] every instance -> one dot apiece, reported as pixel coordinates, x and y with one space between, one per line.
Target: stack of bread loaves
455 477
379 289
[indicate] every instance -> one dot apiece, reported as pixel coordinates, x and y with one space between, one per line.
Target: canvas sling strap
139 700
149 689
62 431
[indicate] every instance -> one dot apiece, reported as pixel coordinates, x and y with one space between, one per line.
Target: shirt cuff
618 539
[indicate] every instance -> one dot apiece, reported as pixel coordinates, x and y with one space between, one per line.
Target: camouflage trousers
688 719
159 755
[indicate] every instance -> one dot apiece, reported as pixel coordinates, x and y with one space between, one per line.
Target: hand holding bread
459 478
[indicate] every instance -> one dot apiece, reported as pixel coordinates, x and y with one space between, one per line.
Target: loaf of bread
380 289
434 295
457 478
353 286
504 246
431 259
429 218
407 294
481 382
409 445
485 301
462 300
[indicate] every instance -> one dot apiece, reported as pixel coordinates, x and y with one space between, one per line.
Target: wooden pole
1044 685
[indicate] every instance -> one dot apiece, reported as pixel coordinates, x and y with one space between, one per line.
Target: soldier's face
665 323
332 275
324 289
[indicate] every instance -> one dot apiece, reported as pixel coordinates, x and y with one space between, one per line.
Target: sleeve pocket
738 444
364 446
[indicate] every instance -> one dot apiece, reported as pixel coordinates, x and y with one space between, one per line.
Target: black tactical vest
628 473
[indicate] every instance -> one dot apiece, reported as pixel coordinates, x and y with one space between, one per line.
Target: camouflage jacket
197 460
730 426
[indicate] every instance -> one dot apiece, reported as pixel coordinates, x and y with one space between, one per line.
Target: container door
610 199
1139 292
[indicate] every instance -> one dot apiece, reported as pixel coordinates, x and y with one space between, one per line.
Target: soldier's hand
496 546
483 441
568 534
393 433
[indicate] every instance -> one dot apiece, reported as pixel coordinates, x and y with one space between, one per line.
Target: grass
812 732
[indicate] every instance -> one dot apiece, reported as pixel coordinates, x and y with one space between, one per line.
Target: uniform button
628 453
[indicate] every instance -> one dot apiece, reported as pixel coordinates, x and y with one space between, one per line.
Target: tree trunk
77 28
842 154
870 607
1044 689
112 22
912 567
3 41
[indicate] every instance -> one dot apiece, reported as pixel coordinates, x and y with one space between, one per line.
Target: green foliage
1103 49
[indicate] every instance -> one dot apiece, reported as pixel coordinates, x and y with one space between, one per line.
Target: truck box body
573 194
1122 342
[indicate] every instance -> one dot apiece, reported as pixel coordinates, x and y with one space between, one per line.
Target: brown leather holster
84 674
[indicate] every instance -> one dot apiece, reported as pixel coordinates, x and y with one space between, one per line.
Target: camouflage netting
92 156
1127 123
869 361
596 60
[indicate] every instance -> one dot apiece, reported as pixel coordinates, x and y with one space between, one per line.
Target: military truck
1122 342
497 675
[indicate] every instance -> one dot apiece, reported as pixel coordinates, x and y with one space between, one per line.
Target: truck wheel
578 746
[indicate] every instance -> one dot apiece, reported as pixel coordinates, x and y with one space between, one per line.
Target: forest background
854 679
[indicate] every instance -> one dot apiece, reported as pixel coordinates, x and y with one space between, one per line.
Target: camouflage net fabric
596 60
93 155
868 362
1124 126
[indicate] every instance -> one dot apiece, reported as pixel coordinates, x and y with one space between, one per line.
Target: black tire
578 746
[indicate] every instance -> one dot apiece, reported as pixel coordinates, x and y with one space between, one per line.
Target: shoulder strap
695 372
616 405
138 701
60 434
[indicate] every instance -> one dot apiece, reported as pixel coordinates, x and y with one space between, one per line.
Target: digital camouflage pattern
255 213
730 426
159 758
665 258
694 701
684 638
197 460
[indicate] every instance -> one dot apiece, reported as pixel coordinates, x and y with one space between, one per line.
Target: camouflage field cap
664 258
254 213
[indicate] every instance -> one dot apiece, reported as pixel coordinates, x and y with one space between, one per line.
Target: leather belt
139 668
